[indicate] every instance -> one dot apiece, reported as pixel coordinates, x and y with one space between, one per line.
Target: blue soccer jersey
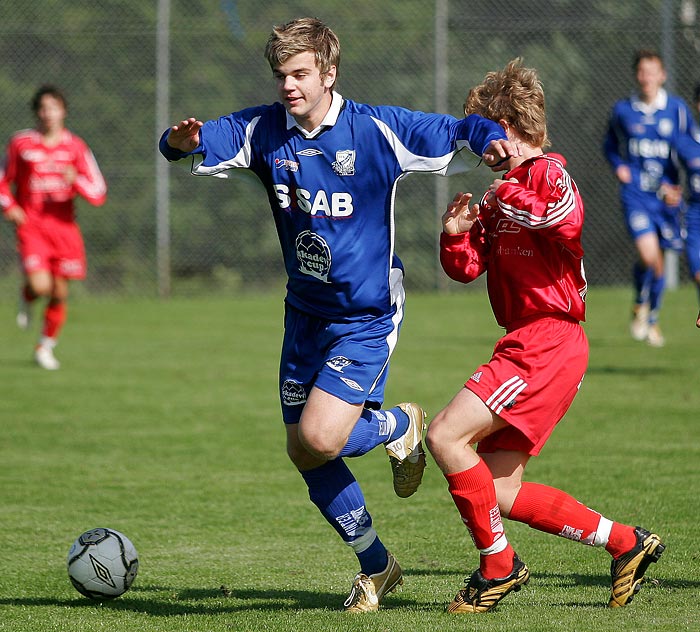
640 135
688 149
332 190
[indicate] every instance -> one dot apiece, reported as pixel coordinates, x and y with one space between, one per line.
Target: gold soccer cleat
368 590
639 327
406 453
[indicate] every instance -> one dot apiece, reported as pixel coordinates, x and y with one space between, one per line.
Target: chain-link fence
422 54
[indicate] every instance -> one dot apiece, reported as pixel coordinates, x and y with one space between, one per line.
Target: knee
301 457
41 286
435 436
320 445
442 436
308 441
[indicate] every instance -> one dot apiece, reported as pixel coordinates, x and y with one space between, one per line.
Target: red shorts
530 382
53 245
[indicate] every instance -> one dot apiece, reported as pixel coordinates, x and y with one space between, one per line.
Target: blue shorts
347 360
692 238
646 213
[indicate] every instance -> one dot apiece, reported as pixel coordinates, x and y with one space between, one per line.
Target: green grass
164 423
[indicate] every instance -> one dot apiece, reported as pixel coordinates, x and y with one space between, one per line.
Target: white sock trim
602 534
364 541
47 342
390 424
498 546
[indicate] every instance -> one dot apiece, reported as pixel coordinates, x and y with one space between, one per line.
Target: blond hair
515 95
300 36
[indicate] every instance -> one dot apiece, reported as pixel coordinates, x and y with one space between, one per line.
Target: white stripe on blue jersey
332 190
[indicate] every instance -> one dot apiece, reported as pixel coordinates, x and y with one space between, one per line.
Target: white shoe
639 327
654 336
406 453
24 314
44 357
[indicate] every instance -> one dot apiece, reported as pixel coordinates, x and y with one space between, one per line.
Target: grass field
164 423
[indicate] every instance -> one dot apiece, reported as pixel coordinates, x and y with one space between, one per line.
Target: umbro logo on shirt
352 384
309 152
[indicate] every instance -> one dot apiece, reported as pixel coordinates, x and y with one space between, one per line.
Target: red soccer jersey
530 244
37 172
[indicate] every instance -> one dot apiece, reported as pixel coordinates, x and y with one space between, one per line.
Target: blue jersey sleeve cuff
170 153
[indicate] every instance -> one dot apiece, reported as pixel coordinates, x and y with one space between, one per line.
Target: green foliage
164 423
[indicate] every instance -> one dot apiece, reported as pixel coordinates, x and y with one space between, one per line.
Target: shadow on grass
202 601
169 602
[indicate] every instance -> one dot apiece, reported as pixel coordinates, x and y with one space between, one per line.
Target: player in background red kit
45 168
526 234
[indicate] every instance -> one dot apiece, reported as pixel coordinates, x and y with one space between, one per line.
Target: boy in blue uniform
330 167
688 150
638 147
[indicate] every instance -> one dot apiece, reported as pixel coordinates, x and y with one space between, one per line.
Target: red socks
474 495
54 317
553 511
541 507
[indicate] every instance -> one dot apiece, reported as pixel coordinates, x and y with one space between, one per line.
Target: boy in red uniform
47 167
526 232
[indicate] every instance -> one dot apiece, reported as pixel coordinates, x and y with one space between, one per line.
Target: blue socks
334 490
642 282
656 293
375 427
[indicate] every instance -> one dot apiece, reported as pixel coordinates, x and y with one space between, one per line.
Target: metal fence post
441 87
161 167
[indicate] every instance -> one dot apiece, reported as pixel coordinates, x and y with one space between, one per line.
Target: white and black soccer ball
102 563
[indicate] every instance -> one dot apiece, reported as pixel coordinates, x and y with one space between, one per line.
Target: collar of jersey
328 121
659 103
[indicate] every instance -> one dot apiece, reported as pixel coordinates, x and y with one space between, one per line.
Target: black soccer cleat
628 570
482 595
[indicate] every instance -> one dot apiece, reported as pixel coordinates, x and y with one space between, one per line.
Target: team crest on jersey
293 393
338 363
287 165
665 127
314 255
344 164
352 384
309 152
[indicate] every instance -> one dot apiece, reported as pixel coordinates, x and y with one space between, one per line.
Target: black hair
50 90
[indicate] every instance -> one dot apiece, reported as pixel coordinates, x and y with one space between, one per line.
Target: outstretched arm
185 135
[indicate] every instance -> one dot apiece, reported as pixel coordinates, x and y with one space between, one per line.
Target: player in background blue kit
638 147
687 147
331 167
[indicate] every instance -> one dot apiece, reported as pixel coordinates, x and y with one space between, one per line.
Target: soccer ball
102 563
